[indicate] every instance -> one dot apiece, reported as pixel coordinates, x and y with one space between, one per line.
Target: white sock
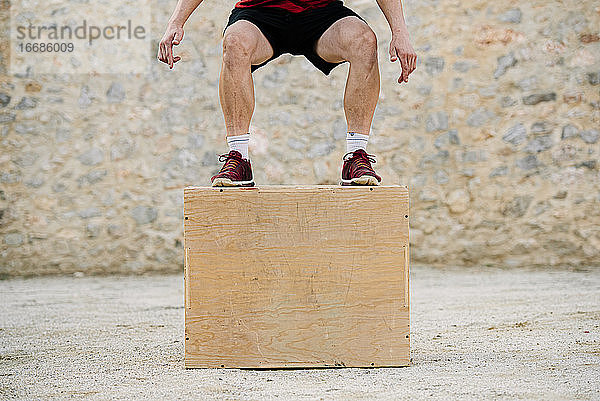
239 143
355 141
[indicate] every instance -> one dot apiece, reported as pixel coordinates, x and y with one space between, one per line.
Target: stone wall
497 135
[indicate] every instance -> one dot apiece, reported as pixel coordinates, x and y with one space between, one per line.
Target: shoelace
363 160
360 156
231 162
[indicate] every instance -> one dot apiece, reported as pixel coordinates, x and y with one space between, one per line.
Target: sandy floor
477 334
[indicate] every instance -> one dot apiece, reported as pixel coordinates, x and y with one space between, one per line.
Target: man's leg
350 39
243 45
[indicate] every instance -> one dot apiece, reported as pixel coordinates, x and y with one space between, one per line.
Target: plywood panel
296 276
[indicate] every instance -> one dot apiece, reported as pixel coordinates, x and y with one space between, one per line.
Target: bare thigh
338 41
244 36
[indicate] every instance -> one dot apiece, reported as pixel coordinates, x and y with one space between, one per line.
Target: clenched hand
172 37
401 50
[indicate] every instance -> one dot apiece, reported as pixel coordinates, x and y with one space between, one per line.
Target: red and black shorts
294 33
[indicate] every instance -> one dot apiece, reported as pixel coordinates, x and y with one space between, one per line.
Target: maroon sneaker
357 169
236 172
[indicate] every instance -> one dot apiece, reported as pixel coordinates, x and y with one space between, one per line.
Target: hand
172 37
402 50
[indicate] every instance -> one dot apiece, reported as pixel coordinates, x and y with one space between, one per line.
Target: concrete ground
476 334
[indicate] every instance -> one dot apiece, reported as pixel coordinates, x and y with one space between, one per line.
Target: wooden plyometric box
296 276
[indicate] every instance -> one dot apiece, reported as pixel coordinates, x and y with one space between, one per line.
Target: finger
176 59
164 54
393 54
404 63
178 37
161 52
413 63
169 48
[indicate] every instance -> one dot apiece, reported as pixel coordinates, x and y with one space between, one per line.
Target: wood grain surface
296 276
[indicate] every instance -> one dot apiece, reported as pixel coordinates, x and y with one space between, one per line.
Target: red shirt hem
283 5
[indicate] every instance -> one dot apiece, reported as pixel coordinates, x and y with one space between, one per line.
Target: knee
363 47
237 49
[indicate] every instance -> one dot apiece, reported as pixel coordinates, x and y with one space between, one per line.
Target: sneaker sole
226 182
362 180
